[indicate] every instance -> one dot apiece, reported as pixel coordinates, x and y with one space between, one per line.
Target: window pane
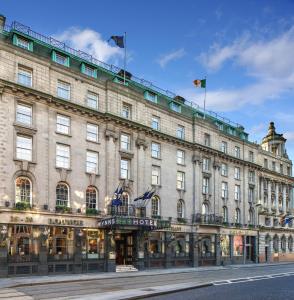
24 114
23 190
63 90
62 124
92 162
92 100
24 148
62 194
62 156
92 132
24 77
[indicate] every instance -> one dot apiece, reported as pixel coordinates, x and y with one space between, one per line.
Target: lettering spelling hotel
71 130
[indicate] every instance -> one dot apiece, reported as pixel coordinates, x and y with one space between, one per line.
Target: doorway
124 248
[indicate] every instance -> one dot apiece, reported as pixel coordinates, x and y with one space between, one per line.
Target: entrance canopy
135 223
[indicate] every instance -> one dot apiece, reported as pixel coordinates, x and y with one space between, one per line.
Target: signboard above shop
147 223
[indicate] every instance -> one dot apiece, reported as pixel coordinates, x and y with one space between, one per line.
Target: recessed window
237 192
92 162
237 173
24 76
251 175
150 96
124 169
155 206
224 169
126 111
265 163
62 156
207 139
224 147
61 59
155 123
125 141
24 114
91 197
273 165
63 124
225 214
155 150
237 152
155 175
88 70
281 169
206 164
251 194
180 180
62 194
92 100
24 147
237 216
23 190
92 132
205 185
225 190
180 157
22 42
175 107
180 132
63 90
180 209
251 156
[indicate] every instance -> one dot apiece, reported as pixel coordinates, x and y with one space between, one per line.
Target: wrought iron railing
126 210
207 219
16 26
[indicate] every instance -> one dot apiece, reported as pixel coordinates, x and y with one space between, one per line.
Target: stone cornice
107 117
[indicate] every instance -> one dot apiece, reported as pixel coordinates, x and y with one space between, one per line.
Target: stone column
3 251
256 248
217 250
168 249
244 249
43 254
110 263
277 197
194 249
262 191
284 198
78 251
232 248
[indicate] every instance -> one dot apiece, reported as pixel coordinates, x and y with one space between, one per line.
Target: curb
153 294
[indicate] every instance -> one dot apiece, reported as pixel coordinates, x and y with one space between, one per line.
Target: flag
200 83
116 200
142 197
286 220
118 39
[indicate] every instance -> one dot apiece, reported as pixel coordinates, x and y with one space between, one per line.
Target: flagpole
125 60
204 97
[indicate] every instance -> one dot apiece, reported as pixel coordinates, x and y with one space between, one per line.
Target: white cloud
167 58
270 63
91 42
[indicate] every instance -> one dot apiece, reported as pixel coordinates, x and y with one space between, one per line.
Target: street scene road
232 282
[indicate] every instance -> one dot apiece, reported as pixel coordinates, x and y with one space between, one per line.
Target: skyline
239 52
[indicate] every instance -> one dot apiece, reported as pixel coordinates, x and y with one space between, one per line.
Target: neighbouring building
71 130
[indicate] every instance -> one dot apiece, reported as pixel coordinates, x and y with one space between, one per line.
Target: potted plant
91 211
22 205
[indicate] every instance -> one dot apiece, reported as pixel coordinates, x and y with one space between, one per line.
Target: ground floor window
181 244
238 245
225 245
207 246
156 246
93 244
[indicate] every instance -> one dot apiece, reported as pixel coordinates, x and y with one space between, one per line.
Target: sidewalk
50 279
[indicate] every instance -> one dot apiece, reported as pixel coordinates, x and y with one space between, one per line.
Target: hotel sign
134 222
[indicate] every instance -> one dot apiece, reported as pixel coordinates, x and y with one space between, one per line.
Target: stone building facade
71 131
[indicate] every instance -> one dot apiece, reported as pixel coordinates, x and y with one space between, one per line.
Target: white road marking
253 278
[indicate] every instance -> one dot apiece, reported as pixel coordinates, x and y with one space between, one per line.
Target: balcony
126 210
210 219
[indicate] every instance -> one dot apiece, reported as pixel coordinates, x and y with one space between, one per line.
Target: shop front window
207 247
156 247
238 245
225 245
181 244
276 244
93 244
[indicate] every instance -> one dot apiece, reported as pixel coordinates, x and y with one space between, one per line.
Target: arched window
205 209
125 208
62 194
251 216
91 197
23 190
237 216
290 243
276 244
283 244
225 214
155 209
180 209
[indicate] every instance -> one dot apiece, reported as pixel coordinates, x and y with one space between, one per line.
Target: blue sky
244 48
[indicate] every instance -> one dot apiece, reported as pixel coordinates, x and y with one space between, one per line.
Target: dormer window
59 58
150 96
88 70
22 42
175 107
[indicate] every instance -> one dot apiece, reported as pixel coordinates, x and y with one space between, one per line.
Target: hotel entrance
124 248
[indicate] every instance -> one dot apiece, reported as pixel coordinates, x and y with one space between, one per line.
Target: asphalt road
116 287
281 288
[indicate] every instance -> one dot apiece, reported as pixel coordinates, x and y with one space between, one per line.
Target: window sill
64 134
93 174
61 168
94 142
126 154
157 158
156 185
182 165
23 128
33 162
181 190
224 175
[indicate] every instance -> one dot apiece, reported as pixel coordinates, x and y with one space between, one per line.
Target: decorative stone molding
24 130
141 141
196 158
110 132
126 154
63 173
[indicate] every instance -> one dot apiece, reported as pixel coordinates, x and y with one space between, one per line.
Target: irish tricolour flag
200 83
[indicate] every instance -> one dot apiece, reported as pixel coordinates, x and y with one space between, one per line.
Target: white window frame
155 120
205 185
92 100
24 147
224 169
63 90
126 111
155 150
92 160
24 114
181 132
237 152
155 175
63 124
124 168
237 173
180 157
207 139
224 147
206 164
237 192
180 180
225 190
62 156
92 132
25 76
125 141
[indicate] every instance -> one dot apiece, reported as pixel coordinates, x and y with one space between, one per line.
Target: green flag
200 83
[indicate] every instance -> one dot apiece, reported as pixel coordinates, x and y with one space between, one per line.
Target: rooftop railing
16 26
